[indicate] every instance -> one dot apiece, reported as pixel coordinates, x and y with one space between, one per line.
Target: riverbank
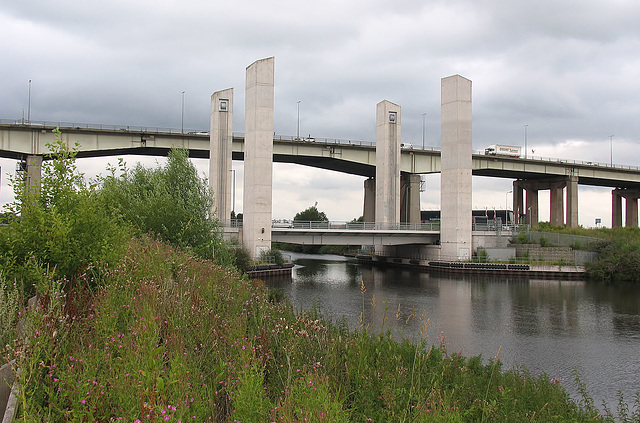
171 337
538 271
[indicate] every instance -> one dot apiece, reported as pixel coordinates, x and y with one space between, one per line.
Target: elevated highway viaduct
27 143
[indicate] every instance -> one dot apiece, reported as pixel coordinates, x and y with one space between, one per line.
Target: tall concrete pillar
631 218
518 201
369 210
220 145
532 206
410 198
455 185
387 163
616 208
258 156
33 175
572 202
556 206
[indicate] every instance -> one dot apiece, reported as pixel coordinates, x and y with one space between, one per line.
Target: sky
566 69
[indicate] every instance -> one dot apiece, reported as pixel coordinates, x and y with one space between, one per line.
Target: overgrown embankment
618 252
169 337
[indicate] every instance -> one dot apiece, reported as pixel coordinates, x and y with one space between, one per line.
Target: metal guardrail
202 133
340 225
373 226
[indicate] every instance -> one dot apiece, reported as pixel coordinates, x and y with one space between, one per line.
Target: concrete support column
258 156
369 210
556 203
616 208
631 218
518 201
532 207
455 185
410 198
33 175
220 144
387 163
572 202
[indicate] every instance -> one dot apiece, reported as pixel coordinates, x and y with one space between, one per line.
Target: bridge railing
201 133
340 225
565 161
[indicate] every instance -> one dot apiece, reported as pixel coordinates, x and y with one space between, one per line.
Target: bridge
391 190
20 139
356 157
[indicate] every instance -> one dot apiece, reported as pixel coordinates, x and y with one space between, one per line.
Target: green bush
63 225
170 201
272 256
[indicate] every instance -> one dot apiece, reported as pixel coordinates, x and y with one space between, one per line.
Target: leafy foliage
170 337
62 225
311 214
170 201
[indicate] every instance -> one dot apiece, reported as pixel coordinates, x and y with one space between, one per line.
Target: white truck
503 150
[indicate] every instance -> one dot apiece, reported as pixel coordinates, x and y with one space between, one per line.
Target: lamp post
298 125
611 148
525 141
29 106
182 116
233 202
424 124
506 206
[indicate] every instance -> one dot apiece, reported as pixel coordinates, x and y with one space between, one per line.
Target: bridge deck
349 156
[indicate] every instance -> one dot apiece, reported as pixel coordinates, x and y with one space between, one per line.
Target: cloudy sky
566 69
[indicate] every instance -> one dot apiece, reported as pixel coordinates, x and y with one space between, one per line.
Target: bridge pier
220 146
258 157
410 198
631 198
369 209
556 200
33 174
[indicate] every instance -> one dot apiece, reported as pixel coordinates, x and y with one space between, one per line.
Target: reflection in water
550 326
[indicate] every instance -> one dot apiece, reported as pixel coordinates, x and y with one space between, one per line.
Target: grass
169 337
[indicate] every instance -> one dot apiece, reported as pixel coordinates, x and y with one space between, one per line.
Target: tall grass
169 337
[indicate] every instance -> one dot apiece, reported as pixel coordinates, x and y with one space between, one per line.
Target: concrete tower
258 157
387 163
220 143
455 186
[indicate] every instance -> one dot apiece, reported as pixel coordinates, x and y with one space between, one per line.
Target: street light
525 141
611 147
298 126
182 124
506 206
233 202
28 107
424 124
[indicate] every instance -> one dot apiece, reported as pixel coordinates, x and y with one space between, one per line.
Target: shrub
63 225
272 256
171 201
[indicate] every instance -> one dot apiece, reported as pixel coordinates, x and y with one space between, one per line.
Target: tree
311 214
171 201
62 225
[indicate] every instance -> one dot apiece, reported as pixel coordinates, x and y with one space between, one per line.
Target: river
551 326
